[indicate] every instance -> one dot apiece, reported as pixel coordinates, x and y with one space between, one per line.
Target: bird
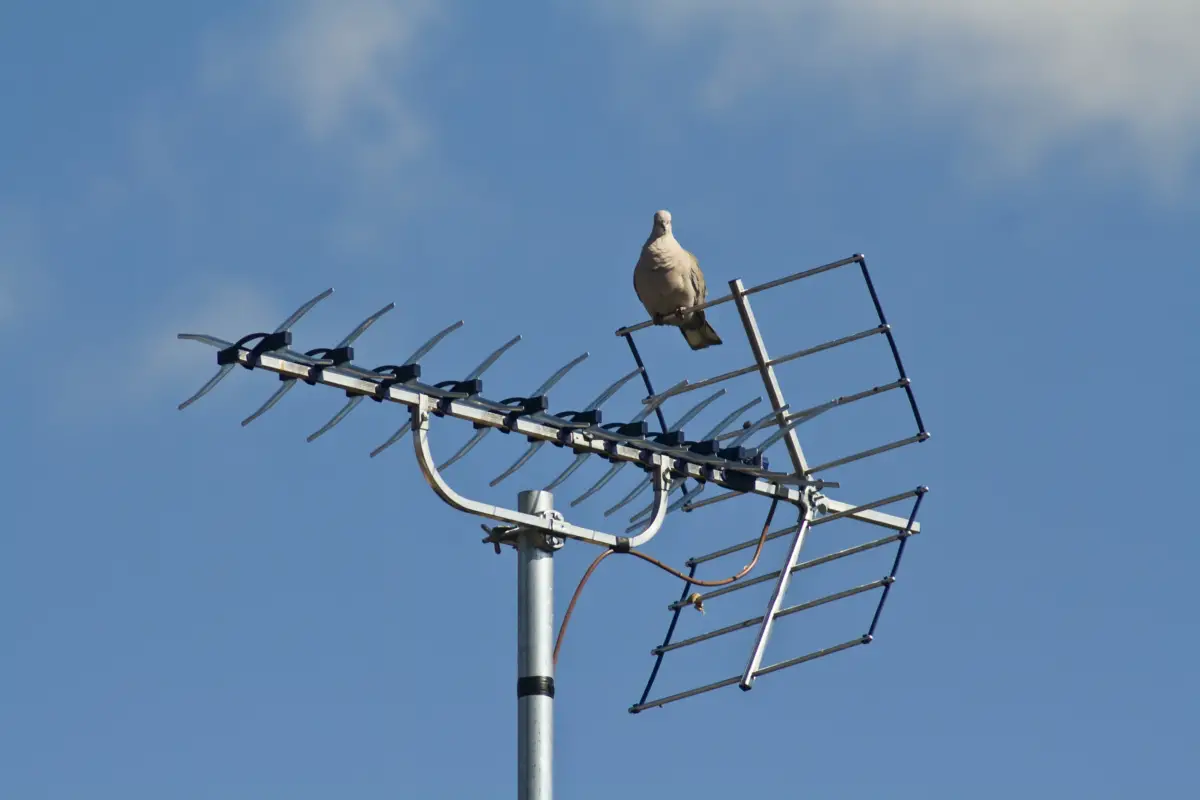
668 279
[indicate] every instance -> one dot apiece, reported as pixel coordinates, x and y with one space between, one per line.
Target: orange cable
562 630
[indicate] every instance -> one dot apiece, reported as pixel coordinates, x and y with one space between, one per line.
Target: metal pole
535 653
770 382
792 440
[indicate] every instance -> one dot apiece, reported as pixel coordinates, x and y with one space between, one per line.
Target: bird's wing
699 286
638 273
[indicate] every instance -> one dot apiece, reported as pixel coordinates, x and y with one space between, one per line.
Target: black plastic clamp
636 430
456 390
581 419
267 342
521 407
460 389
737 453
670 439
395 374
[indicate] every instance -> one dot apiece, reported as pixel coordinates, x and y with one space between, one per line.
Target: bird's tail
699 334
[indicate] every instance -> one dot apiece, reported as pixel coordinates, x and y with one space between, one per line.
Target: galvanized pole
535 652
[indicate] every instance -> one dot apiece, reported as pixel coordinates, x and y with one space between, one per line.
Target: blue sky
194 610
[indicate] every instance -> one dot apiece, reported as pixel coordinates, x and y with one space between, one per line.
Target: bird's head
662 223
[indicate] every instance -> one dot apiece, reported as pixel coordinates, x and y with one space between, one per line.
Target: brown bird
668 279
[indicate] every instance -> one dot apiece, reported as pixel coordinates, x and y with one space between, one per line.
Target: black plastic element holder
326 357
521 407
670 439
736 453
456 390
396 373
527 405
739 481
267 342
461 389
637 430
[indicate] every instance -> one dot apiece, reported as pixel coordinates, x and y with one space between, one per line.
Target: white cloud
339 68
164 370
1028 75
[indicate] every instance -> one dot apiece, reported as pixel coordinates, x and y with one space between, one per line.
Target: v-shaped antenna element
711 436
341 353
353 402
583 419
676 428
538 392
600 432
278 339
739 438
593 406
473 375
415 358
637 421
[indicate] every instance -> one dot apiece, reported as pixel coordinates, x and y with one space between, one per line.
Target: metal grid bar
813 656
874 451
862 512
710 501
774 362
815 562
796 609
846 400
762 287
843 510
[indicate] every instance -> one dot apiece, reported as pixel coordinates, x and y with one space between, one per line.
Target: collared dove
667 278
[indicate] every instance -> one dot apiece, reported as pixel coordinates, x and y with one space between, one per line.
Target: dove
667 278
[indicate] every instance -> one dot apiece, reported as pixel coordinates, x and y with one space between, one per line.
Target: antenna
813 510
726 456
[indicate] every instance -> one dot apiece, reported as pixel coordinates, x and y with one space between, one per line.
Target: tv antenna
667 461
